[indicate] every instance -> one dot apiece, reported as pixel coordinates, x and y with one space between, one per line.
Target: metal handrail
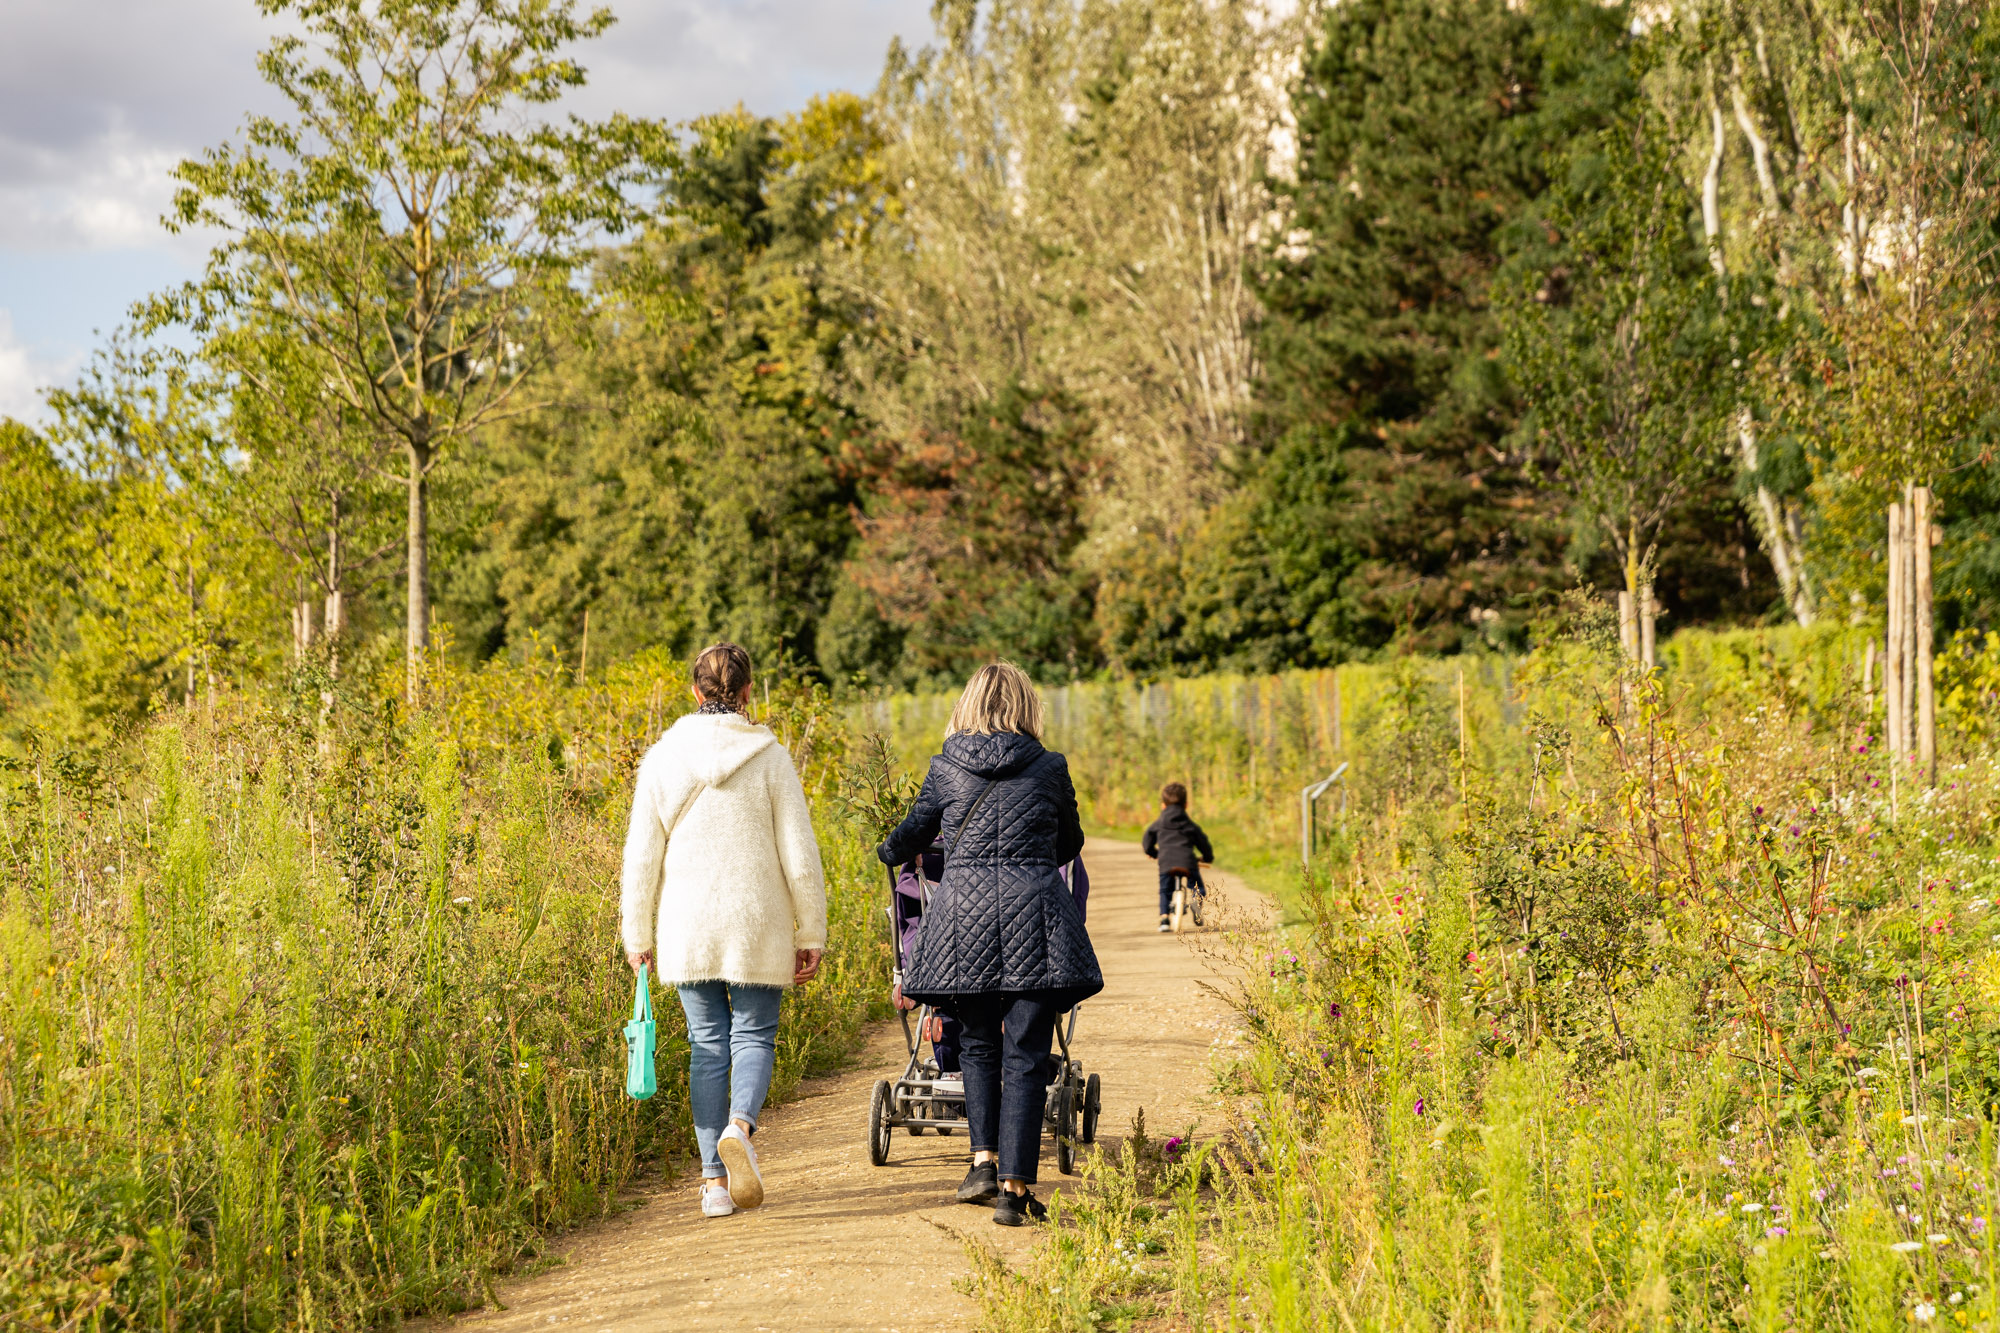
1307 797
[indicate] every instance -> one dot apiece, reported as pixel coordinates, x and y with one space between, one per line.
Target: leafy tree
42 545
967 547
313 481
1079 186
1903 384
173 593
701 488
1616 343
411 223
1425 130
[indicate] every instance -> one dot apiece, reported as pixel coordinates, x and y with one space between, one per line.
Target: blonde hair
999 697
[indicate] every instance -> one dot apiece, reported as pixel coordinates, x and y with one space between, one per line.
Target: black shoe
1019 1210
981 1183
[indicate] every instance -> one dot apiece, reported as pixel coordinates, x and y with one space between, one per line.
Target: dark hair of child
1173 794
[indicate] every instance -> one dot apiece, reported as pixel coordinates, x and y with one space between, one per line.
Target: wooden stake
1461 735
1892 663
1908 704
1648 613
583 663
1920 550
1868 684
1337 742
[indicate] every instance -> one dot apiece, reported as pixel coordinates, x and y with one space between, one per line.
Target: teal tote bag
640 1082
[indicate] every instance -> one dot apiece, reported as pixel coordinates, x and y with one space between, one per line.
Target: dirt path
843 1245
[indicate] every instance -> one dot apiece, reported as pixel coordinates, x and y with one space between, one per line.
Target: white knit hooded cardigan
722 874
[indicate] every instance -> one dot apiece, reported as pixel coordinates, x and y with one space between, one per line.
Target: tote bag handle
641 1081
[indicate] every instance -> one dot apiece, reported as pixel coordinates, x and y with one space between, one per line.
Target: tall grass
1686 1016
309 1012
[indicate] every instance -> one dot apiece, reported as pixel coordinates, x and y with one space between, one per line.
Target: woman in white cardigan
723 894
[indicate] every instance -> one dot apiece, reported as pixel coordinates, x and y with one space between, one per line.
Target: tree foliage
404 227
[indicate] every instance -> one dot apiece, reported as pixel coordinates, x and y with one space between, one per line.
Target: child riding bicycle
1180 847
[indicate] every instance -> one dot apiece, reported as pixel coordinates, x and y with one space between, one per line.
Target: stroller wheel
881 1110
1093 1102
1066 1127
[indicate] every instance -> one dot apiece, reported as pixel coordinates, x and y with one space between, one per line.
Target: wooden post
1336 711
1648 614
1461 734
1868 684
1921 625
1892 658
1908 705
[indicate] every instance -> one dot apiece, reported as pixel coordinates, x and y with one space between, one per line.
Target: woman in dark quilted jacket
1003 949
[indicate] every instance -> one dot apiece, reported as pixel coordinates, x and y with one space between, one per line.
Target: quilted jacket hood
715 745
1001 755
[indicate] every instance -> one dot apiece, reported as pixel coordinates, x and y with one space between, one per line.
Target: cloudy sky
99 99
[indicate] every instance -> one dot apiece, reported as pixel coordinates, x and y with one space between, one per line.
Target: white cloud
109 196
100 98
24 375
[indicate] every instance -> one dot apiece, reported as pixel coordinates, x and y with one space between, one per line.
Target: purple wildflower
1420 1106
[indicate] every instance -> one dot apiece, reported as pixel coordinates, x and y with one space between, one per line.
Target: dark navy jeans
1003 1045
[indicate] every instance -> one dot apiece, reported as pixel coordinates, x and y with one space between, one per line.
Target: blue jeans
732 1048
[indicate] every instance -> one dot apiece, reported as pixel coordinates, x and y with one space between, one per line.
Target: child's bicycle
1189 896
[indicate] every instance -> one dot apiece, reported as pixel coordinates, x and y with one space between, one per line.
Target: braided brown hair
721 673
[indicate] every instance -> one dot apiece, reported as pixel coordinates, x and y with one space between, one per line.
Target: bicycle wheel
1195 902
1180 903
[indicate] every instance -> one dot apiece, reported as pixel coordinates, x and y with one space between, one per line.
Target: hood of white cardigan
714 745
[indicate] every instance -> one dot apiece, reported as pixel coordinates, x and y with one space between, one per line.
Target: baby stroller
930 1096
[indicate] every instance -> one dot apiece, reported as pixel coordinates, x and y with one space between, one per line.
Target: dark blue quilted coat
1001 918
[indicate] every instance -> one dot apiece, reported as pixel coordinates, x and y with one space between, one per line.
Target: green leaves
1615 340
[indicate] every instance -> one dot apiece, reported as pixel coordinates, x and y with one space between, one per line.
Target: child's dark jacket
1174 839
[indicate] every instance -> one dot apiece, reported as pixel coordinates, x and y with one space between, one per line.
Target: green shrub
310 1014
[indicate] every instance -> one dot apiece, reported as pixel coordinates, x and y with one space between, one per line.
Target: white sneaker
715 1200
1164 927
746 1187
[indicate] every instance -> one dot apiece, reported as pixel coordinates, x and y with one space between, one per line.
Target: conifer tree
1425 133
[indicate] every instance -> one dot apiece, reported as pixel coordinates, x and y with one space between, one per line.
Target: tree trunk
335 624
1777 528
417 627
